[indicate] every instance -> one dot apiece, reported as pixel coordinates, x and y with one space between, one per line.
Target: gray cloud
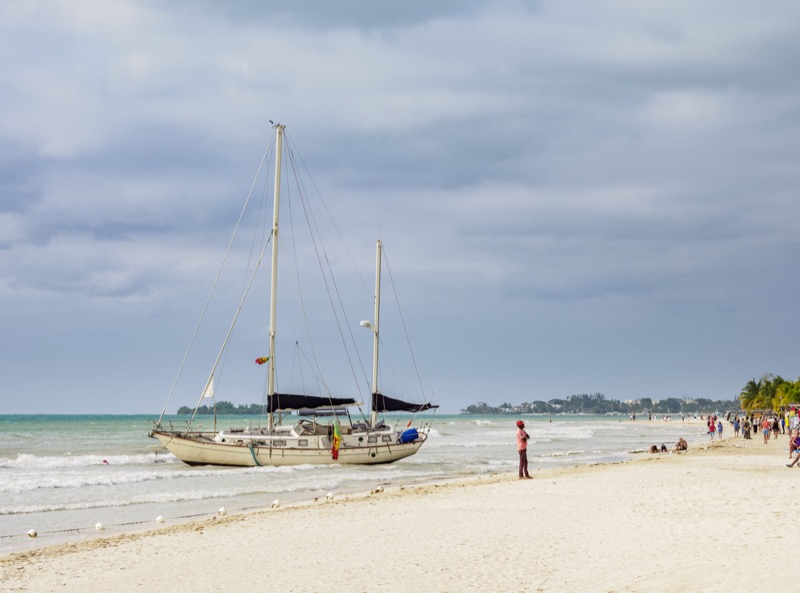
577 196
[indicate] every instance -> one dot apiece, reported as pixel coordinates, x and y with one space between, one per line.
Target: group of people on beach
681 445
522 448
714 426
770 426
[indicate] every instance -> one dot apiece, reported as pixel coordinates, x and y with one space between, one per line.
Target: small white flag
209 390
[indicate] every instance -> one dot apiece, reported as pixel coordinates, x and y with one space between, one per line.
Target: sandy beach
711 519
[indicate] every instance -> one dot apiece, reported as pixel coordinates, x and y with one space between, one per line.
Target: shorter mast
273 301
376 329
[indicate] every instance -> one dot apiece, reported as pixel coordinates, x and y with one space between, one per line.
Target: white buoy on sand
160 519
32 533
222 511
276 503
99 527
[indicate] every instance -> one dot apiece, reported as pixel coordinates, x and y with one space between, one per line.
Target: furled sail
282 402
383 403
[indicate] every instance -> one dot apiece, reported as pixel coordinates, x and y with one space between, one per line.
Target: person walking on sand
522 448
719 429
765 429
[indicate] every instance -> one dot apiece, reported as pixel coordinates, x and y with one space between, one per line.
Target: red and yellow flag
262 360
337 439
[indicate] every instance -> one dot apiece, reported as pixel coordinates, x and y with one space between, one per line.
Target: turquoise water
61 475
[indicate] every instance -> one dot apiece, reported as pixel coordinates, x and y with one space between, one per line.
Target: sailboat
326 434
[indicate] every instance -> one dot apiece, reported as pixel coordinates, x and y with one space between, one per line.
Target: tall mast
376 330
273 301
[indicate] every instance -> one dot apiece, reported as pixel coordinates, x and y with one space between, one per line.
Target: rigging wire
223 349
298 161
214 285
325 269
407 336
322 201
403 321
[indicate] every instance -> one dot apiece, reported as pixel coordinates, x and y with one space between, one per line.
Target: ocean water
62 475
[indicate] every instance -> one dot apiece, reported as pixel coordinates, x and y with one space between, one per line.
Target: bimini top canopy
283 402
384 403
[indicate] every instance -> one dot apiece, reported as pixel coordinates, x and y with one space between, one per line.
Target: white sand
715 520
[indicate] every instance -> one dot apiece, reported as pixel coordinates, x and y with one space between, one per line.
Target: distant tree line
770 392
223 407
596 403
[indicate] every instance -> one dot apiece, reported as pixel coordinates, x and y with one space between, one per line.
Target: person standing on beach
765 429
522 448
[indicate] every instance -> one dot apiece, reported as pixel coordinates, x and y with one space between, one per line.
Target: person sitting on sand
653 449
663 448
681 445
794 443
796 457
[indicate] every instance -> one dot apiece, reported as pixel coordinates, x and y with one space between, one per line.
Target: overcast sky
577 197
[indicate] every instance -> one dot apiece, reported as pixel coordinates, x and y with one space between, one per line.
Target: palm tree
749 397
769 390
788 392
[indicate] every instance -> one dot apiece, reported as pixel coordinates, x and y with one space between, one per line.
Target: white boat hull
201 449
